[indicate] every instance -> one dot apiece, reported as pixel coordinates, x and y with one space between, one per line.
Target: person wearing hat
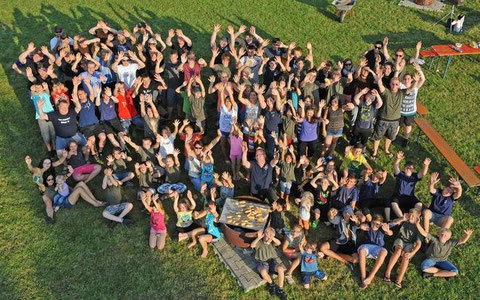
126 71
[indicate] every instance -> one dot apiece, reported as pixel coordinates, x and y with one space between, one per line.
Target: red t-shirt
189 72
126 109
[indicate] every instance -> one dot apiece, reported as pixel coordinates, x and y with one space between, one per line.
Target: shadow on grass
324 7
80 242
406 39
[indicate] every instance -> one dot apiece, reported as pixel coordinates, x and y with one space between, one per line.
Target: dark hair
170 156
409 163
118 149
48 173
378 43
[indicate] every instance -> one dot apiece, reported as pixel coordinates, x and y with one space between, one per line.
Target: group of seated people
279 115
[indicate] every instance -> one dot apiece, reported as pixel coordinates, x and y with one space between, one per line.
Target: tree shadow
407 39
324 7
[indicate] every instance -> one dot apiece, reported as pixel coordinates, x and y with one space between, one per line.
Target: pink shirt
235 145
157 221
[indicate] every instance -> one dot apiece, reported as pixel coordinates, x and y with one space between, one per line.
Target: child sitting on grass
211 232
184 211
226 187
116 209
207 175
173 178
277 221
309 264
144 172
268 261
158 230
119 167
306 203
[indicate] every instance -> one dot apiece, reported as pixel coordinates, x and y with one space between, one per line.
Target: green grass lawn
80 257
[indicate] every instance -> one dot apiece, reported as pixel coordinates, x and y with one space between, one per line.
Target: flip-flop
389 154
398 285
387 279
290 280
373 157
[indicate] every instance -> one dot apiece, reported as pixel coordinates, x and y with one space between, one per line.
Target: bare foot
182 236
204 254
190 245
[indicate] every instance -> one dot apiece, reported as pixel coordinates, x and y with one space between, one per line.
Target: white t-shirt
126 74
166 146
226 118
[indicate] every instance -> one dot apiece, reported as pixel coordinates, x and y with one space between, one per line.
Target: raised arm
396 165
466 237
385 48
23 56
457 188
434 179
245 161
379 99
132 144
424 170
359 95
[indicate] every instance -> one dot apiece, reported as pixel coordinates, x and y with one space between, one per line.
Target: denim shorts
116 209
442 265
373 251
335 133
285 186
61 142
121 176
307 276
438 219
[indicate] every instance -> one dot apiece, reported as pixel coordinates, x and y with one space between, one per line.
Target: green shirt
119 166
145 180
439 251
265 252
408 233
196 105
219 68
289 127
392 105
287 171
113 195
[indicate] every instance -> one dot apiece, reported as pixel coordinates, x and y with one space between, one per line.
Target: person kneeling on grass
158 230
309 264
268 261
116 209
406 245
373 247
436 263
210 233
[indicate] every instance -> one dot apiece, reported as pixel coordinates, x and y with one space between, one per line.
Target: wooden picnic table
450 52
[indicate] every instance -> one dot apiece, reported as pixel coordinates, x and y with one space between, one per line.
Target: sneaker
49 220
281 293
314 224
426 275
271 288
290 280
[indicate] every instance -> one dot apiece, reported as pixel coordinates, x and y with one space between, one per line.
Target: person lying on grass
268 261
373 247
406 245
440 211
437 264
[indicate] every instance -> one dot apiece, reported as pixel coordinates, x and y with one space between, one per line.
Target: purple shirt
309 131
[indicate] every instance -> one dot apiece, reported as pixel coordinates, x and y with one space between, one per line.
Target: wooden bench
421 110
447 151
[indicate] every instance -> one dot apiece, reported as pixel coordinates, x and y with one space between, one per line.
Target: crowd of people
123 104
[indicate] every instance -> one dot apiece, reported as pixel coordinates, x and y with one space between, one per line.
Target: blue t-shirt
347 195
309 262
87 114
106 71
210 225
405 185
107 110
207 173
369 190
440 204
376 237
94 81
47 105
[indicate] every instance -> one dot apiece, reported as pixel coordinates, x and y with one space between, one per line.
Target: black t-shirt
173 77
65 125
66 69
29 63
271 75
180 50
370 56
152 89
221 52
260 178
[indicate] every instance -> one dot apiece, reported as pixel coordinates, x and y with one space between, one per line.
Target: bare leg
325 248
397 210
445 273
130 176
204 240
281 275
193 234
48 206
387 213
402 270
376 267
376 143
95 172
448 222
91 145
362 257
161 237
408 131
76 194
86 189
388 142
118 219
111 138
102 138
293 266
427 216
393 261
152 241
264 273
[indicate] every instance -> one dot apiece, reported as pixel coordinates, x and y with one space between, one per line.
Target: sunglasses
377 224
378 47
348 64
49 179
198 148
399 55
